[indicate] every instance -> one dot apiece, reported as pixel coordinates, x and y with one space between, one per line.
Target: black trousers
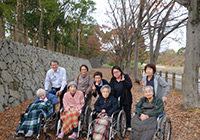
62 94
127 109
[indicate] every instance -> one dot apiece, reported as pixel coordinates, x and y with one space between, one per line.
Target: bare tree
138 36
162 20
124 20
191 95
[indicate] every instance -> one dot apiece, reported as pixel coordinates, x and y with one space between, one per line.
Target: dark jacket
126 96
109 104
98 88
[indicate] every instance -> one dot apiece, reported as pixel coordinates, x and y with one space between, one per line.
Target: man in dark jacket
98 83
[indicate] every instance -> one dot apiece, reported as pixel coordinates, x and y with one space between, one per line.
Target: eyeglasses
116 72
83 69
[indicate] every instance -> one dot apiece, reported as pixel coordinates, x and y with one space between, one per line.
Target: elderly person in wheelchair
41 108
73 102
105 106
147 109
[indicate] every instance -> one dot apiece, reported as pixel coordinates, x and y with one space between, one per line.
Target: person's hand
86 92
123 78
94 88
164 99
105 117
103 111
144 117
143 83
59 93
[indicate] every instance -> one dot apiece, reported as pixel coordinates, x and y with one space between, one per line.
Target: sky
101 18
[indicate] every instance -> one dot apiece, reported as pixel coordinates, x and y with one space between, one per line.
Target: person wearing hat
73 101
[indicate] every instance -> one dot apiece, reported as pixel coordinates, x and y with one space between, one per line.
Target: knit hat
72 83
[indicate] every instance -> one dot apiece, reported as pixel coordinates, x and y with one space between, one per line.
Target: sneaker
61 135
129 128
73 136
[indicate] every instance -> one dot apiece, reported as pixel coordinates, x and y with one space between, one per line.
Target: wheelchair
45 125
82 123
117 124
163 131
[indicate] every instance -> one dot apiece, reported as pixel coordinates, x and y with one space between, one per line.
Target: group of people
79 92
108 92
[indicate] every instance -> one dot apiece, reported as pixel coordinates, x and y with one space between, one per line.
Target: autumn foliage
185 122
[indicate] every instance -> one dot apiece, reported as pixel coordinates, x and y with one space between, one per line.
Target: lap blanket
143 130
30 125
70 120
101 129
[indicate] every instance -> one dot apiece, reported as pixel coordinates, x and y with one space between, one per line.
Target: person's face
97 79
83 70
54 66
42 95
105 93
148 93
116 73
72 89
149 71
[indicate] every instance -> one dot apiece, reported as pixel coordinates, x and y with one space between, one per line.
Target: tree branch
183 2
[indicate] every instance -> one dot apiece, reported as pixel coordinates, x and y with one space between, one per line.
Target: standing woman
121 87
84 82
156 81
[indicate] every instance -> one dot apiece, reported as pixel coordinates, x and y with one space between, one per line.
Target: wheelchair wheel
87 113
165 128
59 126
121 124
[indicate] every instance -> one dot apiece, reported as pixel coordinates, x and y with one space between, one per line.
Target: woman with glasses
121 85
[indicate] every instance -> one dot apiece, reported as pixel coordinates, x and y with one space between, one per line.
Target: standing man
56 76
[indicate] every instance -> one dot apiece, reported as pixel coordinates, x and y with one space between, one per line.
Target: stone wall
23 69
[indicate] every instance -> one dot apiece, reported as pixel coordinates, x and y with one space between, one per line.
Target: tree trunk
52 37
129 62
136 59
20 26
137 41
1 26
156 52
26 36
40 25
2 29
34 39
191 97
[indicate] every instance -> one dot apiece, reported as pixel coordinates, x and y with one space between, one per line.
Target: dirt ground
185 122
